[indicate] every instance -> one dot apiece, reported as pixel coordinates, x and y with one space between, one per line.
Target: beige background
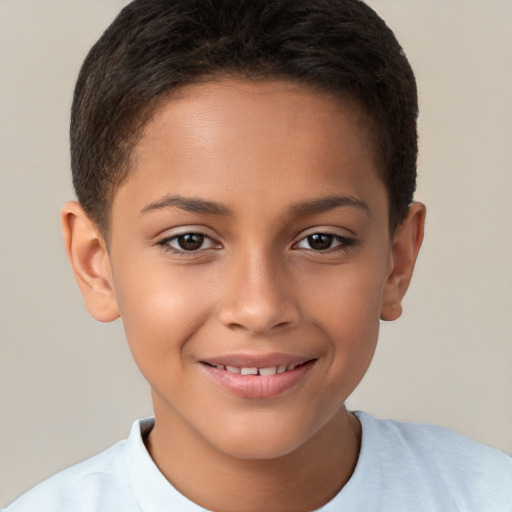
68 387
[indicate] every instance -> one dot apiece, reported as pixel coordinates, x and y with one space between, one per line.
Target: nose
259 296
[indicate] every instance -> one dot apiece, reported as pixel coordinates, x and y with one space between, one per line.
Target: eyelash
166 244
343 243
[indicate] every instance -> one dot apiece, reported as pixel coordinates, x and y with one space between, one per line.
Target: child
245 173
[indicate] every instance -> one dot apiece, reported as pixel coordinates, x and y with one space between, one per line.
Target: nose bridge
259 295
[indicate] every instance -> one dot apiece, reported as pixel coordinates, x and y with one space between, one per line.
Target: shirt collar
153 492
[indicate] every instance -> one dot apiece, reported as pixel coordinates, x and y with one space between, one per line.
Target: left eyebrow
190 204
324 204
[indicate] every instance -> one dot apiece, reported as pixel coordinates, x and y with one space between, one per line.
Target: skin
263 153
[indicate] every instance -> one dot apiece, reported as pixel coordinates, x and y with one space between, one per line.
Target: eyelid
346 240
326 230
173 232
168 235
205 238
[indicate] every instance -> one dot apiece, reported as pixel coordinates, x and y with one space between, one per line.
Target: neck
302 480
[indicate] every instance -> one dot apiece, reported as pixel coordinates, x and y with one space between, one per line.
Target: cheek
161 308
349 297
347 311
352 325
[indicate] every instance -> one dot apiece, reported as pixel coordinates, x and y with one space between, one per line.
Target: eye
324 242
188 242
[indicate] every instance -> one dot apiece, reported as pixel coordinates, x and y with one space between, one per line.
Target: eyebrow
204 207
324 204
190 204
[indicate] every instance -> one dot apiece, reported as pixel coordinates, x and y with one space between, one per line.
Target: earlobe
89 258
406 245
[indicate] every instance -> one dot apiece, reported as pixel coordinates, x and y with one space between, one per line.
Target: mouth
254 370
257 380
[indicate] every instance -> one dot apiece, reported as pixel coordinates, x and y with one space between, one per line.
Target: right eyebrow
324 204
190 204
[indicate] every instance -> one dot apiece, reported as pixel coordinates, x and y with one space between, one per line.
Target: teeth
249 371
268 371
273 370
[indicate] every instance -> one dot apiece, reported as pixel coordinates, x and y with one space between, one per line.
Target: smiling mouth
252 370
258 381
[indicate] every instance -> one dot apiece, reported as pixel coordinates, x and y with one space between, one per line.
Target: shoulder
100 482
437 459
434 444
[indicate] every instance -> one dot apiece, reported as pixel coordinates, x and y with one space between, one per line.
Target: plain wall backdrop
68 387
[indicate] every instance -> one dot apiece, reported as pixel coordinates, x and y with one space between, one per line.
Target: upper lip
256 360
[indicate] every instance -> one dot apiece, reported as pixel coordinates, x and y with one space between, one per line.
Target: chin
259 439
258 449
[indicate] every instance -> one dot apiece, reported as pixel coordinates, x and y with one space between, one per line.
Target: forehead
212 139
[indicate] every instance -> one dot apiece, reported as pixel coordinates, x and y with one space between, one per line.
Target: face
250 255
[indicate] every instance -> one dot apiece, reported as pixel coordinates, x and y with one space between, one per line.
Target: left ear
404 252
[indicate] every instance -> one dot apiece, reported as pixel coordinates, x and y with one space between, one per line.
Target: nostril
252 327
236 327
257 313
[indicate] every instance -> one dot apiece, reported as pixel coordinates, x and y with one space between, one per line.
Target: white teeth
249 371
272 370
268 371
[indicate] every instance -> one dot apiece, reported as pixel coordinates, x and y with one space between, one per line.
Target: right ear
89 258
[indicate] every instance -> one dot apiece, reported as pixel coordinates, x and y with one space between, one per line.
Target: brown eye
326 242
190 241
320 241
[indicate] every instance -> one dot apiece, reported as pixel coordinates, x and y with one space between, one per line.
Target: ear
404 252
88 255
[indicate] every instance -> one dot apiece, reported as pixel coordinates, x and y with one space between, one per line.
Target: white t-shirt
402 467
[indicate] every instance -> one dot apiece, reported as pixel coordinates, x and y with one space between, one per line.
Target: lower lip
258 386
